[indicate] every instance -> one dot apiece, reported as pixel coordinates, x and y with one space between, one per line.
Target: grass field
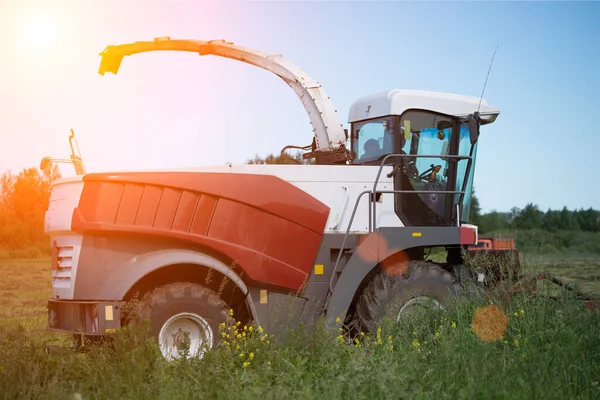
548 350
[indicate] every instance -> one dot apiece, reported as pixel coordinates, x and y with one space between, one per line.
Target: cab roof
396 101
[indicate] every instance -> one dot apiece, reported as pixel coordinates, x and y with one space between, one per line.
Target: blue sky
165 110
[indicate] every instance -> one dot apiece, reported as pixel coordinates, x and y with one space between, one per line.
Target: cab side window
373 140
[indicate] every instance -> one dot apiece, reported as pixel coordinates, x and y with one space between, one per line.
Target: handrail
396 155
341 215
339 257
373 210
373 222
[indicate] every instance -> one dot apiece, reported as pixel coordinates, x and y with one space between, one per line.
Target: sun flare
38 31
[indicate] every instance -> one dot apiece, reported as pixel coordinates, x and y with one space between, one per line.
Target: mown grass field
548 350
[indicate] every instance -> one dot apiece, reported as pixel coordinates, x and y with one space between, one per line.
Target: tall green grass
549 350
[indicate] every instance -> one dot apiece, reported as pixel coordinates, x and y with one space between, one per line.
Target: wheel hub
419 305
185 331
179 338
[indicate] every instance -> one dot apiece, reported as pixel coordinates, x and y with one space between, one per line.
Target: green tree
587 219
567 220
551 221
23 202
529 218
475 209
279 159
491 222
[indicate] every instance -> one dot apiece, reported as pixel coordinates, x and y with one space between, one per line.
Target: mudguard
267 226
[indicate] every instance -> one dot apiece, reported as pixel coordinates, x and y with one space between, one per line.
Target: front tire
184 317
394 296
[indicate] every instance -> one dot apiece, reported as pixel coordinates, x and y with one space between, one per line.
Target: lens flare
489 323
38 31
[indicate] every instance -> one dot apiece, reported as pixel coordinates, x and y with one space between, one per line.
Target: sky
169 110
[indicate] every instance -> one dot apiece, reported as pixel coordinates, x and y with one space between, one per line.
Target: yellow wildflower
251 355
246 363
453 324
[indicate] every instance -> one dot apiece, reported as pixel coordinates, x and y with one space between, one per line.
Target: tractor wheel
425 286
184 316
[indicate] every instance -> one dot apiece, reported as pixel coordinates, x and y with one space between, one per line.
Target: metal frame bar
396 155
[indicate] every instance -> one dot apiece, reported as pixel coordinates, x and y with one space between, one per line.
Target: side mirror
473 121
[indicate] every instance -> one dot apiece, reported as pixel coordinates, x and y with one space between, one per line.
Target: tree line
531 218
24 198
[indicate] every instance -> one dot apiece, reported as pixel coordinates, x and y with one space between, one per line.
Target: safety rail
374 212
372 201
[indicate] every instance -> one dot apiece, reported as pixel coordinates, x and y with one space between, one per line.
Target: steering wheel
431 171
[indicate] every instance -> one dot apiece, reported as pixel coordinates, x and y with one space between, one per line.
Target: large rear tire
393 296
184 316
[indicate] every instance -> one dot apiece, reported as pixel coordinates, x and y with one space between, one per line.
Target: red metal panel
166 208
270 228
267 232
203 214
266 192
148 205
185 211
105 194
129 204
467 235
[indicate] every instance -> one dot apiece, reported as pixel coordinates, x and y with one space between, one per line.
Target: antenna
486 79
